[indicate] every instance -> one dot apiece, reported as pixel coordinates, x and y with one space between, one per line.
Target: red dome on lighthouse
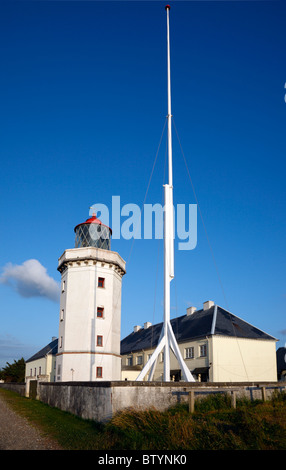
93 220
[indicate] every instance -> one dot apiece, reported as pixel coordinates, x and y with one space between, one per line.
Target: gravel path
16 433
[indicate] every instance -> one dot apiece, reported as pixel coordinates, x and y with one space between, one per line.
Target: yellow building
216 345
42 365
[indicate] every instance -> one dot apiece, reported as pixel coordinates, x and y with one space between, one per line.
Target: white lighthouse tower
90 307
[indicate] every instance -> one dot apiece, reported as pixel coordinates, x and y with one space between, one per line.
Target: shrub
214 401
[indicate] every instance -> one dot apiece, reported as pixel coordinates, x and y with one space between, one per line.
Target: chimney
147 325
54 338
208 304
136 328
191 310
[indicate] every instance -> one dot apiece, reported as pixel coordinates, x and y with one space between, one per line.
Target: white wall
45 366
243 360
229 359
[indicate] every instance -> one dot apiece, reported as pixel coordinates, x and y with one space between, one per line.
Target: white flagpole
167 338
170 155
168 222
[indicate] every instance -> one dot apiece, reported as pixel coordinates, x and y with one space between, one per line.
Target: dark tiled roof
51 348
202 323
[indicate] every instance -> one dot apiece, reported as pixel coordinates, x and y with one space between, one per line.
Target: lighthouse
90 307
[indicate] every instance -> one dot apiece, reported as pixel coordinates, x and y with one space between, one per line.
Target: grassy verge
213 426
70 431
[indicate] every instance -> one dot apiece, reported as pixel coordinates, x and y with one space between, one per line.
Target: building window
162 357
203 350
31 372
62 314
189 353
40 370
63 286
130 361
100 311
99 372
35 371
61 342
139 360
101 282
99 341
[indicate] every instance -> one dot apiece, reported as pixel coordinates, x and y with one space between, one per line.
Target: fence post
191 401
263 392
233 399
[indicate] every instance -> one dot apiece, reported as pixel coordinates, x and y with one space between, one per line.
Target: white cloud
30 279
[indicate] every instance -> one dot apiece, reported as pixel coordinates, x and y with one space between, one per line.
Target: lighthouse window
99 341
99 372
92 235
100 312
101 282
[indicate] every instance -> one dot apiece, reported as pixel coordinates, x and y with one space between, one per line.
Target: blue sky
83 98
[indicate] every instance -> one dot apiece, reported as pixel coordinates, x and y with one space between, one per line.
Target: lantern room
94 233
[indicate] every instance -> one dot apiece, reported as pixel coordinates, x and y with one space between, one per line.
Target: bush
214 401
14 372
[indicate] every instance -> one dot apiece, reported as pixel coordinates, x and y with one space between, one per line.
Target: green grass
70 431
213 426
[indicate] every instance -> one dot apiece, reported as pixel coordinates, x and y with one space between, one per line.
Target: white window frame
203 350
190 352
140 360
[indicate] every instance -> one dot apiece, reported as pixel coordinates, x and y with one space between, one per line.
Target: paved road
16 433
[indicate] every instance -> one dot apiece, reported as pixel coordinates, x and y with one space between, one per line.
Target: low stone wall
88 400
14 387
100 401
